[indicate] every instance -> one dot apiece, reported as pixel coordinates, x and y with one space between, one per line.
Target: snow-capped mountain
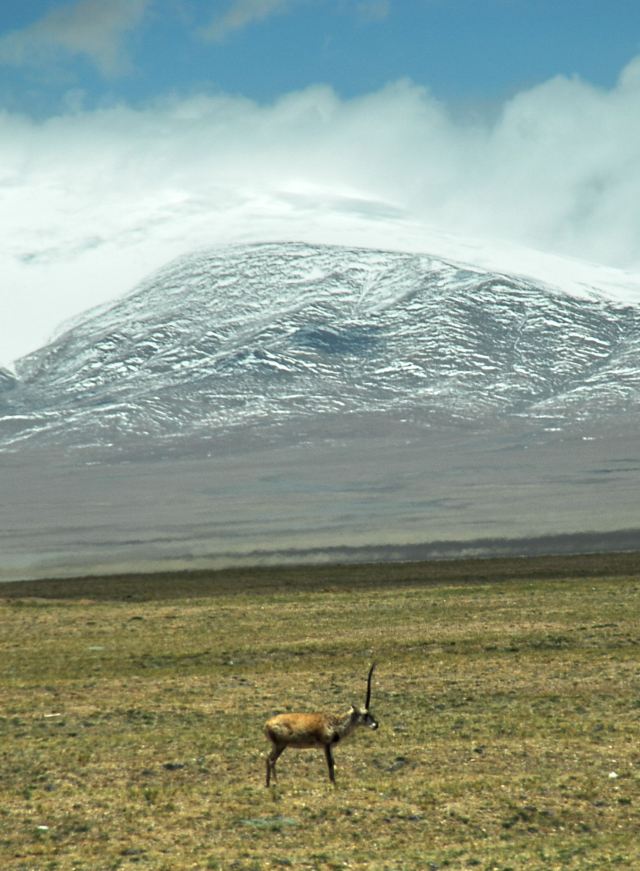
303 402
267 333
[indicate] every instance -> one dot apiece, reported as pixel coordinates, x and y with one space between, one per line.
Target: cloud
241 14
373 10
92 201
89 28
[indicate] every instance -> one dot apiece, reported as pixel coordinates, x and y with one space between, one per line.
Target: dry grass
508 697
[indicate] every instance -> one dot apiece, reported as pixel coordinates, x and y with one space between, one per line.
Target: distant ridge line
564 544
199 583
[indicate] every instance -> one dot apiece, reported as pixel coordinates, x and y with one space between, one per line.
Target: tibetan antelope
315 730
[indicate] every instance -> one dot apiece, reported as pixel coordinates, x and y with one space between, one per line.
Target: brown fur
307 730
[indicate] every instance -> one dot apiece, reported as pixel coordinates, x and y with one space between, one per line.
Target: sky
134 131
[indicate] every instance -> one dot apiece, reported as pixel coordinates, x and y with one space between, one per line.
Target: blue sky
134 131
470 53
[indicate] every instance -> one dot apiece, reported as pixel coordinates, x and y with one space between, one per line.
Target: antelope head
363 716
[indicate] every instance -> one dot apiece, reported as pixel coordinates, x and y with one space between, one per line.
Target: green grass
508 694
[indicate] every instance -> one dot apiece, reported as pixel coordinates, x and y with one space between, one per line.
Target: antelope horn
366 704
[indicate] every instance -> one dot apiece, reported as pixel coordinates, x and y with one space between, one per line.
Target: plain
508 696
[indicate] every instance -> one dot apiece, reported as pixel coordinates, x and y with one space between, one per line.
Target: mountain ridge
255 333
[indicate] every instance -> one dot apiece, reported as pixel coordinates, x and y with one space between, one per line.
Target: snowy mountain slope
268 333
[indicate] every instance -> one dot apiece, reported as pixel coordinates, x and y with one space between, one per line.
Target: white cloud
92 201
90 28
373 10
241 14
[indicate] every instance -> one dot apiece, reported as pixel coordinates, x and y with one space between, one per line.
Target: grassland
508 694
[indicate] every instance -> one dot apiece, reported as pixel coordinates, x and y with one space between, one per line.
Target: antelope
315 730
